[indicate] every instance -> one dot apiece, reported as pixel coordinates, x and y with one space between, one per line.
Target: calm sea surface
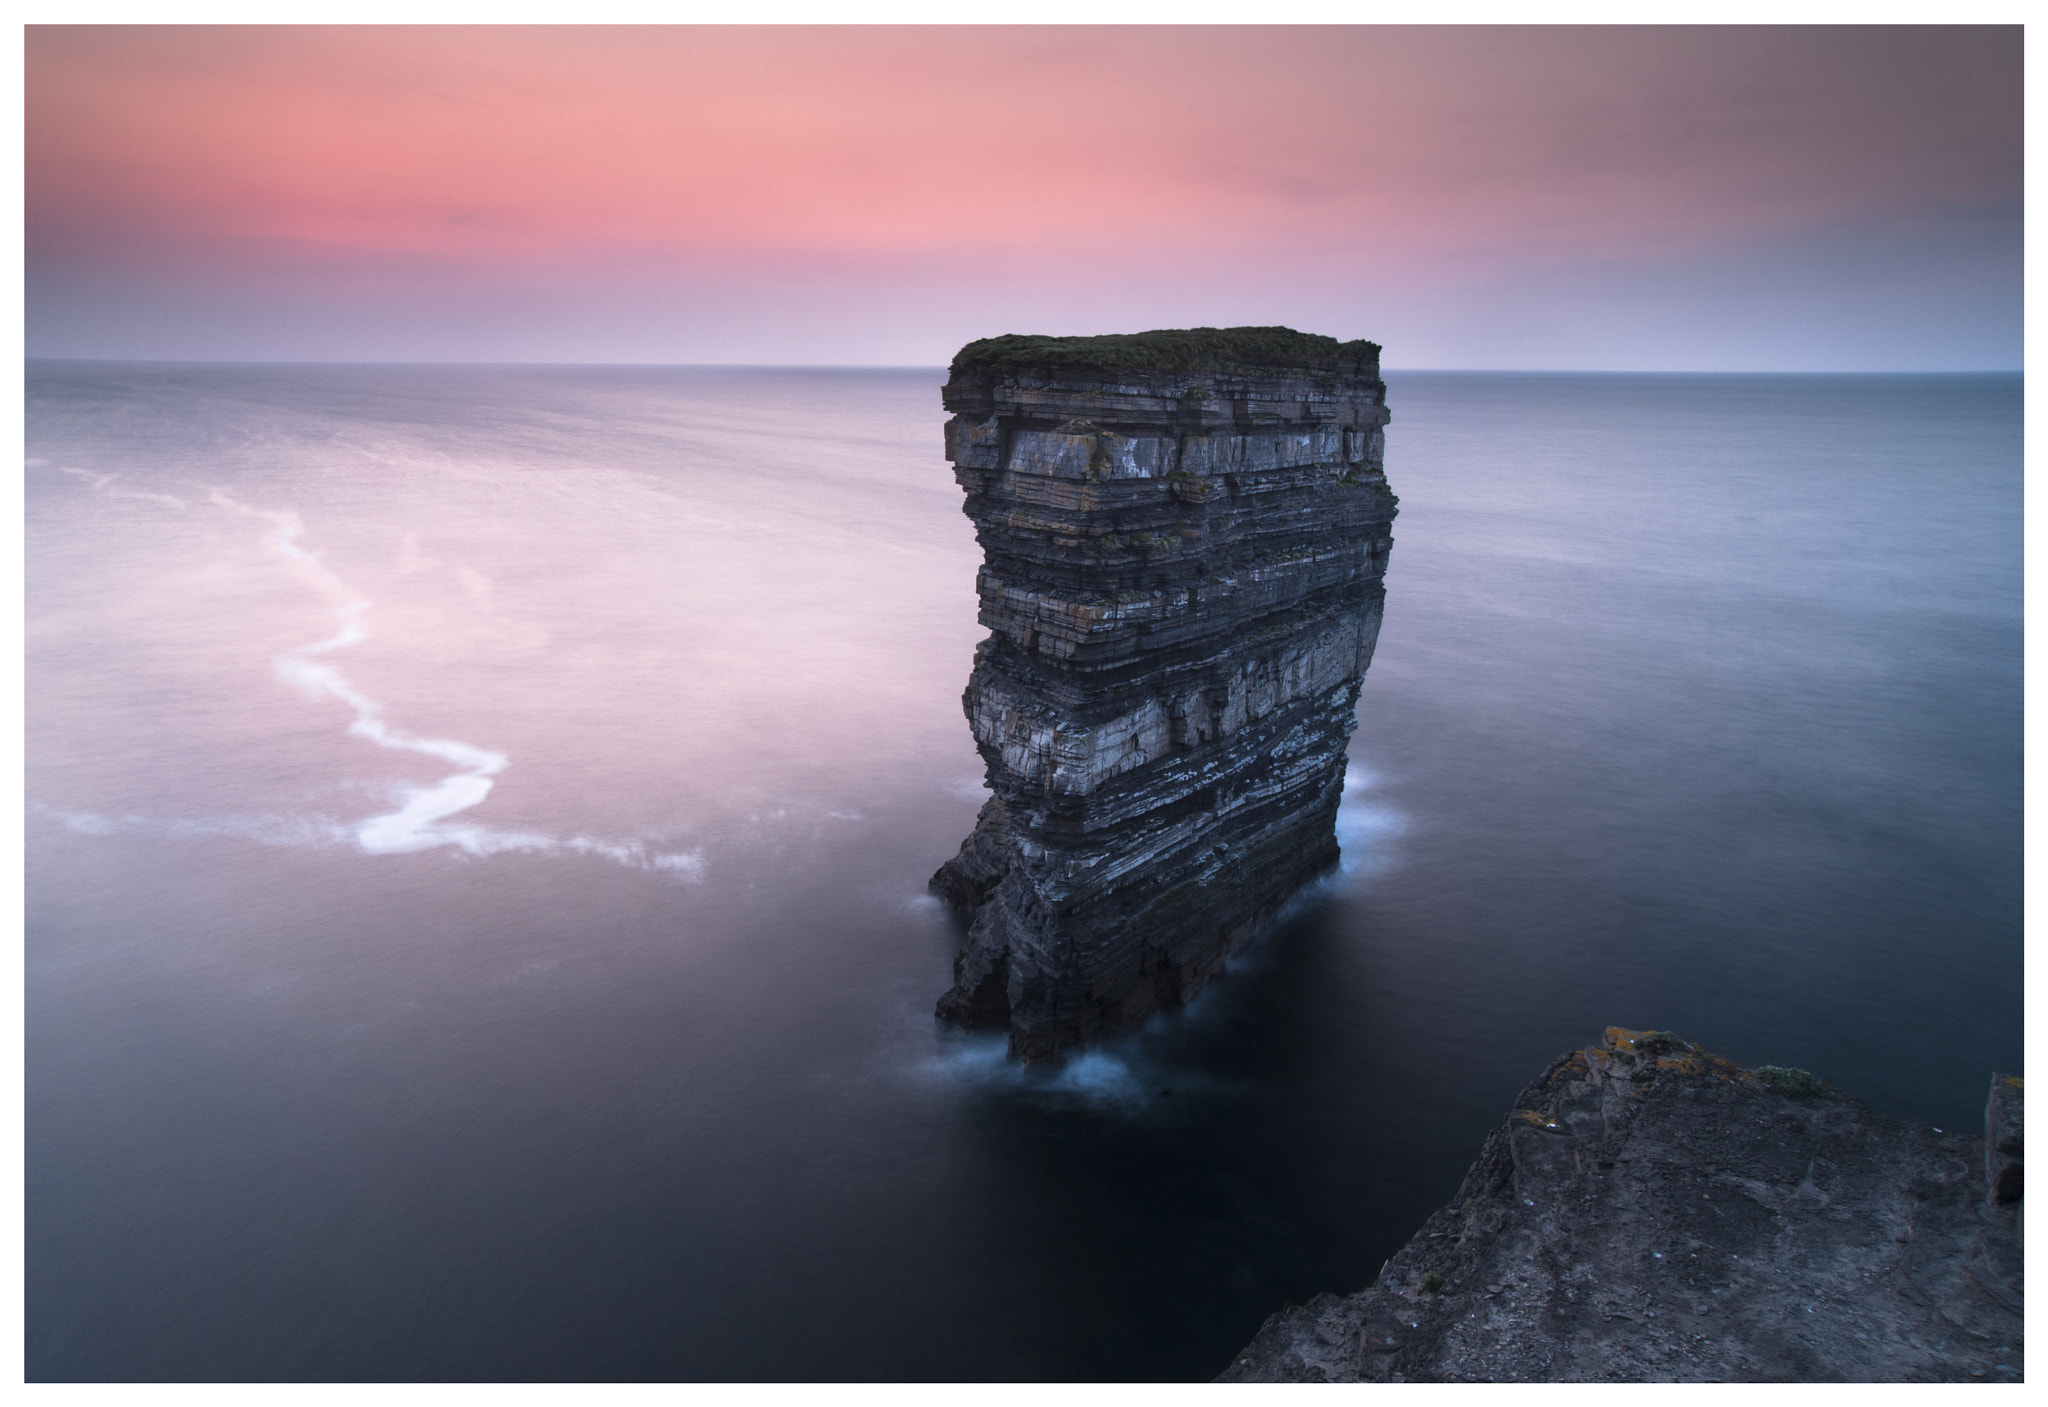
479 819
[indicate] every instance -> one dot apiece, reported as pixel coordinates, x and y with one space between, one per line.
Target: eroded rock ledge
1652 1213
1185 538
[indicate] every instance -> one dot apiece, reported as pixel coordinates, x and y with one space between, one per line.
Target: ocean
478 822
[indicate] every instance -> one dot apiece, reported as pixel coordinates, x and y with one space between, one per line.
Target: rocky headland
1185 535
1653 1213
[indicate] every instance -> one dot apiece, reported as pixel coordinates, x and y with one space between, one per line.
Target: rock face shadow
1650 1212
1186 536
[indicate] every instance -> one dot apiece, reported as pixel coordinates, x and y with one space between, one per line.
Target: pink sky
1618 198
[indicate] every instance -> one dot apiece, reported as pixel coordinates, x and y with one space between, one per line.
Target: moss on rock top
1222 349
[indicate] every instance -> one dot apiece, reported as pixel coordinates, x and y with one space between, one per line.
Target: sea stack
1185 537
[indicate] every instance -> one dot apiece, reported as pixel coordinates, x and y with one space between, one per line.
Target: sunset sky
1654 199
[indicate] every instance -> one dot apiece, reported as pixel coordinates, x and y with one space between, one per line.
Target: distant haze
1742 199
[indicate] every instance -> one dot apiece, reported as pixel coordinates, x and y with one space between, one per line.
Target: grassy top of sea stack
1215 349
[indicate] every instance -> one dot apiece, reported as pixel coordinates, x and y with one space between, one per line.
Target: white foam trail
975 1058
1366 831
104 484
1127 1077
1099 1078
687 866
420 819
416 824
264 830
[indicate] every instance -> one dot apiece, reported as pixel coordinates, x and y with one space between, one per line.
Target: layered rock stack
1185 538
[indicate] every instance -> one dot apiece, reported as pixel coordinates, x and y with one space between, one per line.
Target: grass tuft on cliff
1222 349
1790 1079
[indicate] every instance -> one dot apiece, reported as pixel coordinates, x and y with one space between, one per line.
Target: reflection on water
479 819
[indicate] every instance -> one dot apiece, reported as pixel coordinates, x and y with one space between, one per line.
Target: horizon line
942 366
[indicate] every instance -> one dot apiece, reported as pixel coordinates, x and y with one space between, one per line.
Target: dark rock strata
1652 1213
1185 535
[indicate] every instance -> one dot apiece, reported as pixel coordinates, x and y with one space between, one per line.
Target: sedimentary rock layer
1652 1213
1185 537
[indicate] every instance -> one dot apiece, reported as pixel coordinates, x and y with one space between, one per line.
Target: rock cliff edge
1653 1213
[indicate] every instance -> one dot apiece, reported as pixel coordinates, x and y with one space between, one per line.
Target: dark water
569 1018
